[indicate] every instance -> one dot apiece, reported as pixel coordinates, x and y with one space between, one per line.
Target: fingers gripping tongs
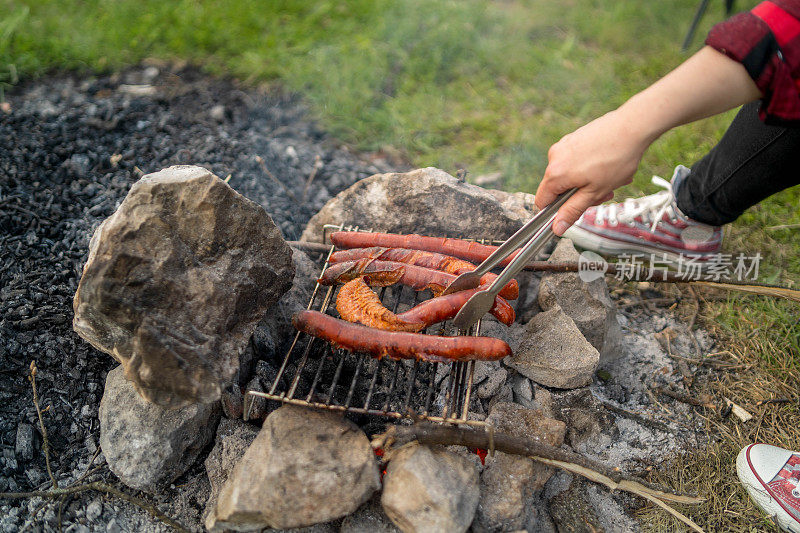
533 235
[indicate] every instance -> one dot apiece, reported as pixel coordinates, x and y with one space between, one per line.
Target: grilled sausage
432 260
357 303
384 273
397 344
471 251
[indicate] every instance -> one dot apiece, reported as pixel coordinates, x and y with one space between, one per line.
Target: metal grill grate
315 374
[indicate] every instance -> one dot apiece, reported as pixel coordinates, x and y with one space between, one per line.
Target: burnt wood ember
70 148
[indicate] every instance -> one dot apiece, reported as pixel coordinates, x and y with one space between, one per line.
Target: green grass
482 85
476 84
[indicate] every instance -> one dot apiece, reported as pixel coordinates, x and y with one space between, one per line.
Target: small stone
231 442
177 280
24 444
113 527
554 353
94 510
232 401
509 482
34 475
145 445
588 304
523 391
255 407
493 383
217 113
430 489
306 466
586 418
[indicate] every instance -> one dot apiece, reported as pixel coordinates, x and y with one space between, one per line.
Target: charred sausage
432 260
471 251
397 344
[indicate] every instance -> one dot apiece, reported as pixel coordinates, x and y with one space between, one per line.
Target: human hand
596 158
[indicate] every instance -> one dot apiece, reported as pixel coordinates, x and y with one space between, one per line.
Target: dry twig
98 486
310 180
77 487
45 442
260 161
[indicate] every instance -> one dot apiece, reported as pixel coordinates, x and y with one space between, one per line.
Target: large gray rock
275 331
430 489
553 352
148 446
305 466
427 201
232 440
510 482
587 303
176 281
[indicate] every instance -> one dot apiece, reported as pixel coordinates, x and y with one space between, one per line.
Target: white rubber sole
603 245
758 493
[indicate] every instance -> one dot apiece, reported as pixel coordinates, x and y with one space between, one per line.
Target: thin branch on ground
98 486
45 441
311 176
260 161
62 493
685 398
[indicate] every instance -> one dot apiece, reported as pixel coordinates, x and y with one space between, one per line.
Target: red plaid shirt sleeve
766 41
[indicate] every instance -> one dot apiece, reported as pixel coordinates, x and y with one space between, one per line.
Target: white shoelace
651 208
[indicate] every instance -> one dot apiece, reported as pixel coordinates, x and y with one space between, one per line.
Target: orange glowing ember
482 454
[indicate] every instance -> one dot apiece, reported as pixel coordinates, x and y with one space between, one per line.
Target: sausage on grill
356 302
384 273
471 251
432 260
398 344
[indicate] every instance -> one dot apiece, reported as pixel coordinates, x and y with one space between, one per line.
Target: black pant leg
751 162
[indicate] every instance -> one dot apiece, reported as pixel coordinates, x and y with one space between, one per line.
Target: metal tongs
534 234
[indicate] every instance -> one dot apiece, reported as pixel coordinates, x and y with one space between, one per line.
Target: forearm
706 84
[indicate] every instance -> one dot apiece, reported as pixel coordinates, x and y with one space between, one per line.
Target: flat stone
430 489
231 442
427 201
510 482
588 304
305 467
176 281
148 446
553 352
24 442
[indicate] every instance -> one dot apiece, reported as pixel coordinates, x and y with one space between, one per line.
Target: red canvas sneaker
650 224
771 476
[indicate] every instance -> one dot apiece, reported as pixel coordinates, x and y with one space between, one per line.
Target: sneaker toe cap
765 460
